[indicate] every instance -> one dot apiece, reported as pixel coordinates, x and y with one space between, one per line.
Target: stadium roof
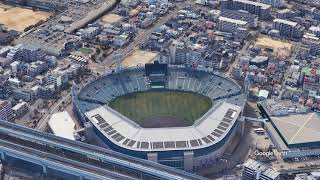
208 130
298 128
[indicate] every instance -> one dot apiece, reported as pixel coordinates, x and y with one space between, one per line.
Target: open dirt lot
16 18
138 57
111 18
280 48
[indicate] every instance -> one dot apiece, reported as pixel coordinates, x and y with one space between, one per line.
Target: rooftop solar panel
206 140
131 143
210 137
169 144
144 145
115 136
104 125
112 132
99 119
194 143
125 142
218 131
226 120
216 134
157 145
120 138
181 144
224 124
222 128
108 129
229 113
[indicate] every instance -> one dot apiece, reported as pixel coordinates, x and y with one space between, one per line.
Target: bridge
80 160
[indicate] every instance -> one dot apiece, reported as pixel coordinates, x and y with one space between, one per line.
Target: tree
45 104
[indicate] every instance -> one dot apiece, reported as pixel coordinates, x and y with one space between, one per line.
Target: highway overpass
50 153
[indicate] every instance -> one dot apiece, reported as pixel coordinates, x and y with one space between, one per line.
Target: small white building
90 32
14 81
14 66
20 109
263 94
230 25
61 124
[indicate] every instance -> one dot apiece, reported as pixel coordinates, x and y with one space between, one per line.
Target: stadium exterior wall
77 111
199 155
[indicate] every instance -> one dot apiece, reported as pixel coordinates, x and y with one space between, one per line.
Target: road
241 53
301 166
45 118
85 153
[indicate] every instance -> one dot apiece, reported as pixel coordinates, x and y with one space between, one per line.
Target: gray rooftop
298 128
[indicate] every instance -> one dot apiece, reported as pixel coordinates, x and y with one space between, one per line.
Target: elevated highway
78 159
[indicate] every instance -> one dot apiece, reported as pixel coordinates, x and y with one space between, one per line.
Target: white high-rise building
260 9
288 29
230 25
178 53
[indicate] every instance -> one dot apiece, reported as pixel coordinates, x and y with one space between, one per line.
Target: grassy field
181 106
86 51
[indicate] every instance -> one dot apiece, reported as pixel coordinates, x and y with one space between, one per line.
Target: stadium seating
107 87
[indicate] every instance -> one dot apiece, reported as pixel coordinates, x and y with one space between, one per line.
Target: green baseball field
156 109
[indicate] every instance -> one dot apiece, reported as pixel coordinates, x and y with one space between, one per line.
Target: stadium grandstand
181 147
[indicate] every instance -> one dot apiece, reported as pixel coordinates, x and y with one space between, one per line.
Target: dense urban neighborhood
160 89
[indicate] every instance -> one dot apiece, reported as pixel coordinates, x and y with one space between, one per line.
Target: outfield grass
141 106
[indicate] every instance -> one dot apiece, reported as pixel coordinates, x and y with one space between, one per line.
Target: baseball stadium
175 115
